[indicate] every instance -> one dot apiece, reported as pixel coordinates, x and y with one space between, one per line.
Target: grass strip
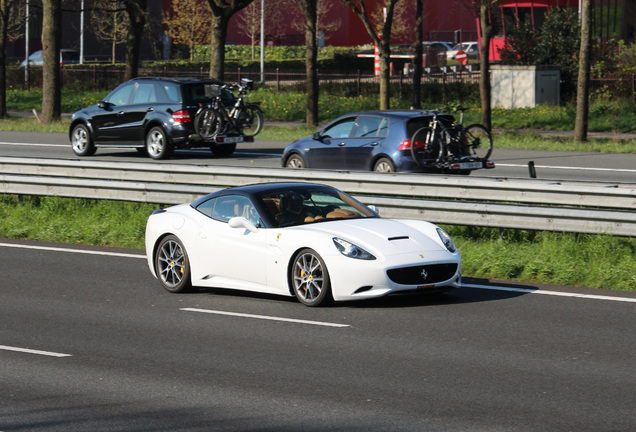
589 260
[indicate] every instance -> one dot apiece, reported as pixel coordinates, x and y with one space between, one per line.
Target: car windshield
311 205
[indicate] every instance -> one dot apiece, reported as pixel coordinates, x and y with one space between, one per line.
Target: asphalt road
549 165
91 342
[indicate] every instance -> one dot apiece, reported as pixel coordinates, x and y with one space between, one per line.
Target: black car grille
424 274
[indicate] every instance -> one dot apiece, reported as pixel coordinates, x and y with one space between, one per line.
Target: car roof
395 113
180 80
250 190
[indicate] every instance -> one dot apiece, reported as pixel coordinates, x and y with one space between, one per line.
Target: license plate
229 140
470 165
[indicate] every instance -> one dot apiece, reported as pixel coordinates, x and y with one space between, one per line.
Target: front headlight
350 250
448 242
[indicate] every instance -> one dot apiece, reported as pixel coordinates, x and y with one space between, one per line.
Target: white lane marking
33 144
32 351
553 293
81 251
265 317
567 168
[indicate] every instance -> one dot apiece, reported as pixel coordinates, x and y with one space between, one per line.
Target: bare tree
383 41
188 23
51 75
310 7
250 24
483 8
222 11
583 83
136 10
110 24
418 53
11 17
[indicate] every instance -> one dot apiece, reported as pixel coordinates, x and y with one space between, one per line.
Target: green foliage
81 221
597 261
557 42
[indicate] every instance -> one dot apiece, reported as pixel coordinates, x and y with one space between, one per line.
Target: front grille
421 275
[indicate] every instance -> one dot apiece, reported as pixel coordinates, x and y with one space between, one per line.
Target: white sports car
297 239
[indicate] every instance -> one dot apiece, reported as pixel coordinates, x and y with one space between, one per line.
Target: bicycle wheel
206 123
477 142
426 149
250 120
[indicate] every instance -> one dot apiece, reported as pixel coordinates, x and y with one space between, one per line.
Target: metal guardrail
455 200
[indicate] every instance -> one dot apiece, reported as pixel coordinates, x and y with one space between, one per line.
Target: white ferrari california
297 239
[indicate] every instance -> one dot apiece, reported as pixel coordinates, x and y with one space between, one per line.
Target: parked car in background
306 240
366 141
446 46
470 48
150 114
67 56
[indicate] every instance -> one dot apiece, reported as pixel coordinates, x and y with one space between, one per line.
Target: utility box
525 86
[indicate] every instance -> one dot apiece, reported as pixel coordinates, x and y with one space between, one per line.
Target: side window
121 96
206 207
383 130
341 129
145 93
367 126
227 207
172 93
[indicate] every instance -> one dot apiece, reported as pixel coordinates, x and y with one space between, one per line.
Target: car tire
157 143
81 141
222 150
295 161
172 265
309 279
384 165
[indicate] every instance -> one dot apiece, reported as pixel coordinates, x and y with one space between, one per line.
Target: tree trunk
136 10
583 83
217 47
4 16
51 74
311 56
484 66
222 11
417 56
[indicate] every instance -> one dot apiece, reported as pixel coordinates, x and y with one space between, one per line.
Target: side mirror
374 209
316 136
241 222
103 104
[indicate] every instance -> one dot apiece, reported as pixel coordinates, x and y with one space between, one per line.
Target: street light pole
262 41
26 47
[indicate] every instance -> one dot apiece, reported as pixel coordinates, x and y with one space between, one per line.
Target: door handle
150 109
342 144
373 144
120 113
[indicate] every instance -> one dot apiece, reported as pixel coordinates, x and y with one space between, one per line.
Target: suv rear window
194 94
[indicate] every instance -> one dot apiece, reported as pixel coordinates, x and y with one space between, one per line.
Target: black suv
152 114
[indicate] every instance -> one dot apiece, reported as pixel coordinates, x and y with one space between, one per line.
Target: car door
367 136
110 113
328 150
142 105
234 253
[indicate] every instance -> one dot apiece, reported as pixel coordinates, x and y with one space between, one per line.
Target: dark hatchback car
154 115
366 141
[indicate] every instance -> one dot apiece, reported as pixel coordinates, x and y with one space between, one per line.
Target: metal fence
521 203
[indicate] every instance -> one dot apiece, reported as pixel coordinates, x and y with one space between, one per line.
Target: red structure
511 12
451 21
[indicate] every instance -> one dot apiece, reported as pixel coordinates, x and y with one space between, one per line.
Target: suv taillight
182 116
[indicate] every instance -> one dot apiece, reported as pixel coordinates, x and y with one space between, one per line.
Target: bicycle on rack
214 122
451 146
